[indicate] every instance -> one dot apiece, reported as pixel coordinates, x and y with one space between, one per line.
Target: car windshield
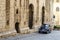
45 26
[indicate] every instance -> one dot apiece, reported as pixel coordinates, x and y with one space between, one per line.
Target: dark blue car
45 28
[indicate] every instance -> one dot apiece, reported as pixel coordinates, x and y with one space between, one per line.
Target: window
7 22
57 8
57 0
16 11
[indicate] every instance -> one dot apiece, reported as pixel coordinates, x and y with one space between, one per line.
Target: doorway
31 11
17 27
43 14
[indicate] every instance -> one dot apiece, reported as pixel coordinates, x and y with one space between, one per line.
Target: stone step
7 33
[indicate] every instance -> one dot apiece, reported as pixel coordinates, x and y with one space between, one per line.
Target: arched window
57 8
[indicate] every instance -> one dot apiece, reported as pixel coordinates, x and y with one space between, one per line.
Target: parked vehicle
45 28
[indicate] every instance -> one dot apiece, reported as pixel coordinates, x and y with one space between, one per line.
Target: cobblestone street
55 35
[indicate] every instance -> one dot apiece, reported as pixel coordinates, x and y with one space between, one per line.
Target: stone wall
19 12
56 4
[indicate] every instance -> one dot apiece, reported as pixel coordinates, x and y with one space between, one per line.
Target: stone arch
31 7
31 11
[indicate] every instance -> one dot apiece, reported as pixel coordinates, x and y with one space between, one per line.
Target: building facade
56 12
24 16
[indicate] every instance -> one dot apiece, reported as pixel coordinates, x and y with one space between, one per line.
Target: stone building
56 12
24 16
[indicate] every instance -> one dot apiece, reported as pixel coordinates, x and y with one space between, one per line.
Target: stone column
51 14
37 16
26 13
19 13
2 15
7 14
22 11
37 22
47 11
12 13
24 25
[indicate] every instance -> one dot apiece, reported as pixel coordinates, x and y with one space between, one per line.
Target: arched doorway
43 14
31 11
17 27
